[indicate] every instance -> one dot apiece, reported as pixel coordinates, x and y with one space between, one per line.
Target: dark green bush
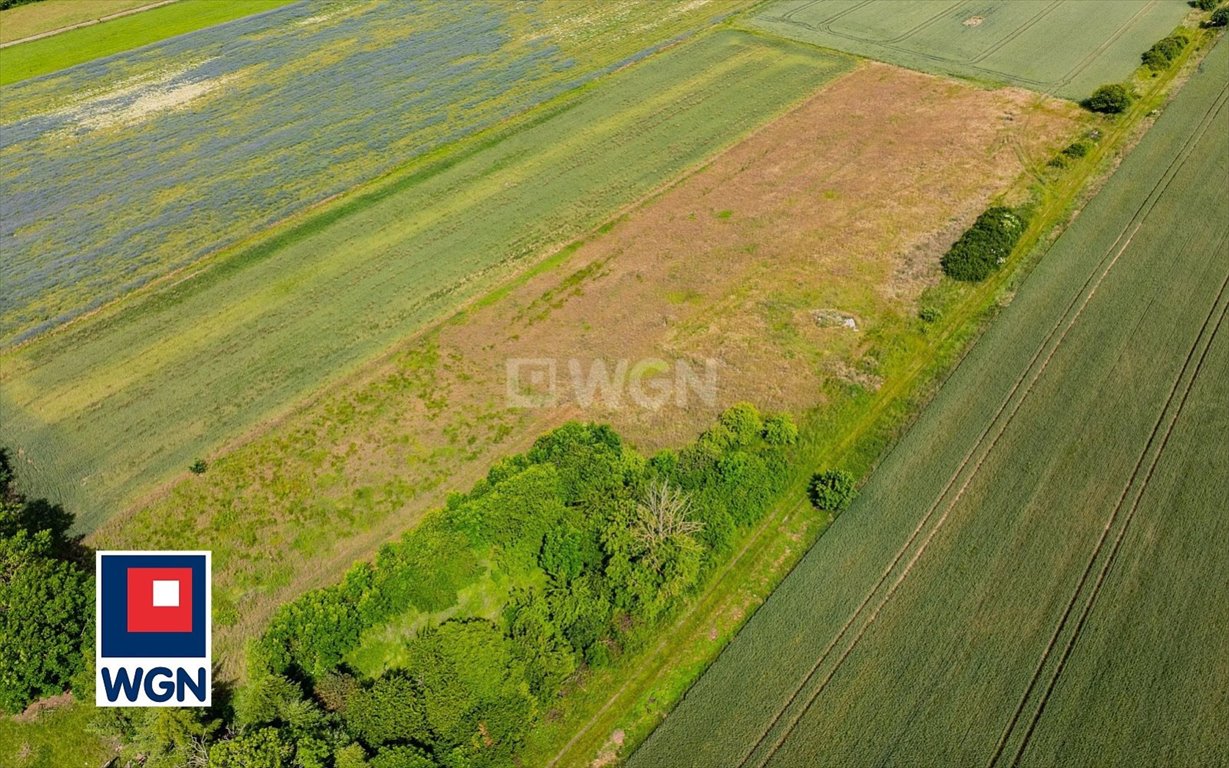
198 467
985 245
424 570
1078 149
1205 5
1110 99
1163 52
1220 17
831 490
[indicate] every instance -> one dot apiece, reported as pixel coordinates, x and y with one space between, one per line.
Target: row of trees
1115 98
990 240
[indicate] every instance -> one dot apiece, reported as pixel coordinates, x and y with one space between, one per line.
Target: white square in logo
166 594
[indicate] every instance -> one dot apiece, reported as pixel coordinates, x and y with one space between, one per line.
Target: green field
1085 43
77 46
1022 580
47 16
131 397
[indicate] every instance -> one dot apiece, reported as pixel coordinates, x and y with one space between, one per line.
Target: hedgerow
985 245
1163 52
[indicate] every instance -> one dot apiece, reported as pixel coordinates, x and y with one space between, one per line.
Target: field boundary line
1140 490
1141 214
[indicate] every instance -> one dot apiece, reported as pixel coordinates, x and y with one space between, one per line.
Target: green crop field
134 394
1026 579
1085 43
47 16
76 46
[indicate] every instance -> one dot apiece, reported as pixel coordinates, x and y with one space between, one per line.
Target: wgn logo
153 629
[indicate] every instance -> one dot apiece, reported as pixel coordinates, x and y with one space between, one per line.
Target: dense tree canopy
46 597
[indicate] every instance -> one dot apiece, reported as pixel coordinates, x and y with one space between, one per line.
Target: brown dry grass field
840 208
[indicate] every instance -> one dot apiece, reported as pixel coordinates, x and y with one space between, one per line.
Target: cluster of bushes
985 245
6 4
605 543
1205 5
1073 151
1220 17
46 598
1114 98
1163 52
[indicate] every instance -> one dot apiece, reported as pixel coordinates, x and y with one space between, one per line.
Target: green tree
474 689
389 710
539 643
1163 52
779 429
832 490
1110 99
350 756
743 421
263 748
1220 17
402 757
161 737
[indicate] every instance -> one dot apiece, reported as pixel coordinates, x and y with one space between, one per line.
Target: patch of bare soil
47 704
838 210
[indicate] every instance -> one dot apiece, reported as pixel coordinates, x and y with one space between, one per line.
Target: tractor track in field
1087 291
1140 490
